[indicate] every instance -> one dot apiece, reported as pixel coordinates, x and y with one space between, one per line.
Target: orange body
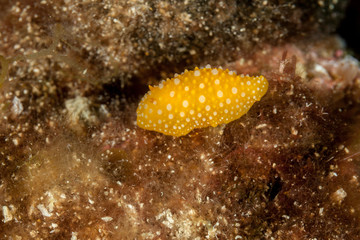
197 99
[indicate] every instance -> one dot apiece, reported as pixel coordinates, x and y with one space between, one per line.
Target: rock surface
74 165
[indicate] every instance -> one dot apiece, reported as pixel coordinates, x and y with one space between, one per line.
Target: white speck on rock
73 236
78 108
168 218
43 210
339 195
17 106
107 219
7 214
320 69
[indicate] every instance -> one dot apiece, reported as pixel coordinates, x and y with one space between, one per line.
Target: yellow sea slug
197 99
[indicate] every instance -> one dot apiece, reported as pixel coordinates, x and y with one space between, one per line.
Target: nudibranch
197 99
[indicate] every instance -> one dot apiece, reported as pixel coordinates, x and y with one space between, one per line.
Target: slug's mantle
197 99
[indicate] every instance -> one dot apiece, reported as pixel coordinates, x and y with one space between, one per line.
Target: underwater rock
74 164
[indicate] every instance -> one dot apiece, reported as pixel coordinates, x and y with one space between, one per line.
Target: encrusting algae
197 99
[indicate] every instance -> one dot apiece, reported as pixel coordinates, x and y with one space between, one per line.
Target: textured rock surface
140 39
73 164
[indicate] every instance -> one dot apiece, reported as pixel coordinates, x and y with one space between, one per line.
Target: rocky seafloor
74 165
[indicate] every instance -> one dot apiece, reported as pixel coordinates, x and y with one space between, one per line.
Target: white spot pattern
186 108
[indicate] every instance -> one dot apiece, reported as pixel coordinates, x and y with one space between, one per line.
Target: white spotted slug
197 99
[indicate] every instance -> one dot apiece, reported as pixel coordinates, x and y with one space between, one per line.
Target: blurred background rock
73 164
